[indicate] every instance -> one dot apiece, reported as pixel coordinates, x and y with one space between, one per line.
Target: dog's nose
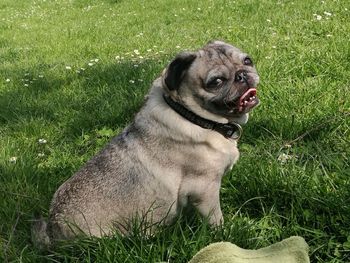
241 76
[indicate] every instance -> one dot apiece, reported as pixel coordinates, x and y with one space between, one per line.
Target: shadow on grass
101 95
70 104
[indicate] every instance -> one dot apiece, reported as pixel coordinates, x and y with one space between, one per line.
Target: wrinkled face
228 79
219 77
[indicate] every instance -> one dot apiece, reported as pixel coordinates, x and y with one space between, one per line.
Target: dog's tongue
248 100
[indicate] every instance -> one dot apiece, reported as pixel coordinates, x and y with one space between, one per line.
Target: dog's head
218 81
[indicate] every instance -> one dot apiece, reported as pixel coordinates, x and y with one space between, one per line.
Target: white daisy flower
283 158
13 159
42 141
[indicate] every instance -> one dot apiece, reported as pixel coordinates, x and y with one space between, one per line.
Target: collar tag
230 130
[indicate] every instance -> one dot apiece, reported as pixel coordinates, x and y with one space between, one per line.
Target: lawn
74 72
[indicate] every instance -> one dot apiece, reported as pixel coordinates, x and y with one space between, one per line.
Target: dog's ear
177 68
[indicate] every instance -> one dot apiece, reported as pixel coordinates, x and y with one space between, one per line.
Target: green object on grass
290 250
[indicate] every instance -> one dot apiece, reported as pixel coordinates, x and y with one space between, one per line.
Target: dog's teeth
245 102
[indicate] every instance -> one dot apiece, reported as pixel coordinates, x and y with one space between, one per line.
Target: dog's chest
211 159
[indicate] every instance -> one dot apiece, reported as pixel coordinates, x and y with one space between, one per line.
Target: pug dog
173 154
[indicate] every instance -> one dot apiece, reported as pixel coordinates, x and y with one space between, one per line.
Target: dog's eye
216 82
248 61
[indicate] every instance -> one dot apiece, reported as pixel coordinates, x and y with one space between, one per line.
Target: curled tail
40 238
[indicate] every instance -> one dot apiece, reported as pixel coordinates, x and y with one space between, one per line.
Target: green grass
304 65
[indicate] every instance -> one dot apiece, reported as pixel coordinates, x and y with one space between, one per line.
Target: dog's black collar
228 130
